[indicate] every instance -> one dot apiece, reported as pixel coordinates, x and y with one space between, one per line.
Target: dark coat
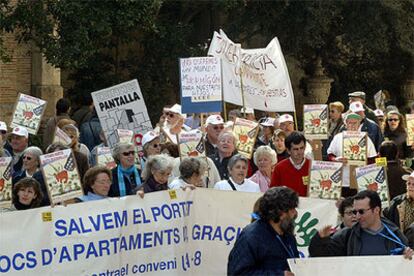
89 132
374 132
130 185
396 185
151 185
258 251
221 165
400 139
347 242
392 212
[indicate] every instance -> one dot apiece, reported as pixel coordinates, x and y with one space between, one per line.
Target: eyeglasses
155 146
128 153
3 132
391 119
218 127
27 158
171 115
349 213
360 211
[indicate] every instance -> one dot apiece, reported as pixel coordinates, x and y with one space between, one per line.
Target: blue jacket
89 132
374 132
258 251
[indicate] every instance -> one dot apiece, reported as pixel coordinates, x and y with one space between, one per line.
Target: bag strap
232 185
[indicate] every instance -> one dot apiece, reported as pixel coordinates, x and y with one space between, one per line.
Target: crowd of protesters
282 157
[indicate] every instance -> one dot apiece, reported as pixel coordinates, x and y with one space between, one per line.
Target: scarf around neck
127 172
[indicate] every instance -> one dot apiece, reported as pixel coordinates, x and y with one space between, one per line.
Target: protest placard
200 81
245 132
410 128
355 147
61 175
122 107
352 265
104 157
315 121
28 113
374 178
125 136
169 233
190 144
61 137
263 72
325 180
5 182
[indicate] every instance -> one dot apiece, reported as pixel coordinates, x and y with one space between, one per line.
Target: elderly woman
73 132
97 182
31 163
265 159
126 179
151 146
237 182
156 173
278 142
268 127
26 194
395 131
191 174
226 147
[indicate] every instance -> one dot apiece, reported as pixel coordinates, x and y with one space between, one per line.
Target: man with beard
264 246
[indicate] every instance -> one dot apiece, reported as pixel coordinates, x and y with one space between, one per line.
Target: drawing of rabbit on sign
28 113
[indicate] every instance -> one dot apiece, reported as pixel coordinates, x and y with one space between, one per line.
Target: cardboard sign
191 144
61 175
121 107
245 132
410 128
355 147
104 157
315 121
325 180
200 81
125 136
28 113
5 182
374 178
61 137
260 75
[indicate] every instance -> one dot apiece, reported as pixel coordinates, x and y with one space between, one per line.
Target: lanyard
289 250
394 237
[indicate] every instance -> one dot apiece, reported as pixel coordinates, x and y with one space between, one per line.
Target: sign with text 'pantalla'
260 75
165 233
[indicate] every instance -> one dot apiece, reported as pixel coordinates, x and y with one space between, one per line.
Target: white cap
285 118
406 176
378 112
268 122
148 137
20 131
214 120
356 107
176 109
3 126
247 110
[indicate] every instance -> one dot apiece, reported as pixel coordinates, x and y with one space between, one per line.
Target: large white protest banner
122 107
165 233
345 266
263 72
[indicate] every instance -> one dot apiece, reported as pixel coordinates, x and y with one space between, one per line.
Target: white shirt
247 186
336 149
177 184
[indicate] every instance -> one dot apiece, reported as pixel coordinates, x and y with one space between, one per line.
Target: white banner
345 266
169 233
265 78
122 107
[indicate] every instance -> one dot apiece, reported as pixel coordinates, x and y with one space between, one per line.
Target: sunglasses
395 120
155 146
360 211
171 115
3 132
128 153
27 158
218 127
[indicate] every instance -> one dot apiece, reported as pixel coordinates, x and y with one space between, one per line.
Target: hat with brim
177 110
20 131
269 122
148 137
247 110
353 116
214 120
285 118
357 94
379 113
405 177
356 107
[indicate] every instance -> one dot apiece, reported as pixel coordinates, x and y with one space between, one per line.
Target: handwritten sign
190 143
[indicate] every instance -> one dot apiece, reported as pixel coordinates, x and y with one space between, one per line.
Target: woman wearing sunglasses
151 146
126 179
31 164
395 131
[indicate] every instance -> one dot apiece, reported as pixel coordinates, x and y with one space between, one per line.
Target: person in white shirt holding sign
238 182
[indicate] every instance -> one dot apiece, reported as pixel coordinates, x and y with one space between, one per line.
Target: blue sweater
258 251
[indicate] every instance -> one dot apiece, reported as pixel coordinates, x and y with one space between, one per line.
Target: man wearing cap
367 125
286 124
19 142
268 127
401 210
174 123
214 125
248 113
4 143
379 114
359 96
335 151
